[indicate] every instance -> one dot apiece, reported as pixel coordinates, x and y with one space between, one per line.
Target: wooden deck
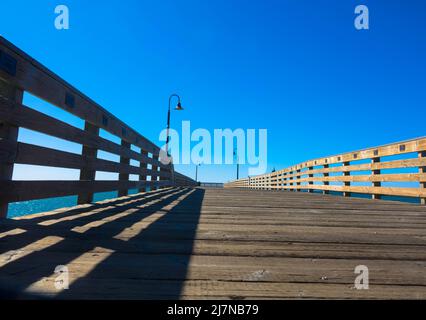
219 243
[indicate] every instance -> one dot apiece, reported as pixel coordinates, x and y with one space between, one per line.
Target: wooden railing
218 185
340 173
20 73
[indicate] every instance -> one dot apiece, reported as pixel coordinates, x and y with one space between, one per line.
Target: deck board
219 243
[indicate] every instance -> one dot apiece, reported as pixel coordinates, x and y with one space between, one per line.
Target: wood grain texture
124 176
15 191
88 172
8 139
182 243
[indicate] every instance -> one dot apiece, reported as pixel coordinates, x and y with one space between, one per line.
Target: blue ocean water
23 208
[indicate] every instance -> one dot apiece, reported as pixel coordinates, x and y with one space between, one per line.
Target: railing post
172 174
163 170
310 183
123 177
88 173
422 170
154 169
375 172
9 136
298 177
326 183
143 166
346 183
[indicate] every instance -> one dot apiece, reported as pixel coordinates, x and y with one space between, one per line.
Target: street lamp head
179 107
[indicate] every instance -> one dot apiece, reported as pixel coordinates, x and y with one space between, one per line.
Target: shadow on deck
100 242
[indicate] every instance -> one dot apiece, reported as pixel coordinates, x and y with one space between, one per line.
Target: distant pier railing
342 173
211 184
20 73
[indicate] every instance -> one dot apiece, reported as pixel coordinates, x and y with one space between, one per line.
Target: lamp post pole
238 169
196 171
178 107
238 163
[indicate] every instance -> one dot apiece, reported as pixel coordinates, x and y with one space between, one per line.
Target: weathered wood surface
8 137
219 243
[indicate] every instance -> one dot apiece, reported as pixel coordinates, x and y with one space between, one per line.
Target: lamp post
238 163
179 108
196 171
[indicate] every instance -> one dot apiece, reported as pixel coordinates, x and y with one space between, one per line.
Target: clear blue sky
297 68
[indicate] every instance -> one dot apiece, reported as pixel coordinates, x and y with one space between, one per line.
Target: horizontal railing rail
20 73
339 173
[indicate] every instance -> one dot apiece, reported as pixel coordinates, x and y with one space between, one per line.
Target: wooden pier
193 243
255 238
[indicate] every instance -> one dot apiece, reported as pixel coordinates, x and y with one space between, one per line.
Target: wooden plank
398 177
222 290
88 173
42 156
234 268
391 191
15 191
8 138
